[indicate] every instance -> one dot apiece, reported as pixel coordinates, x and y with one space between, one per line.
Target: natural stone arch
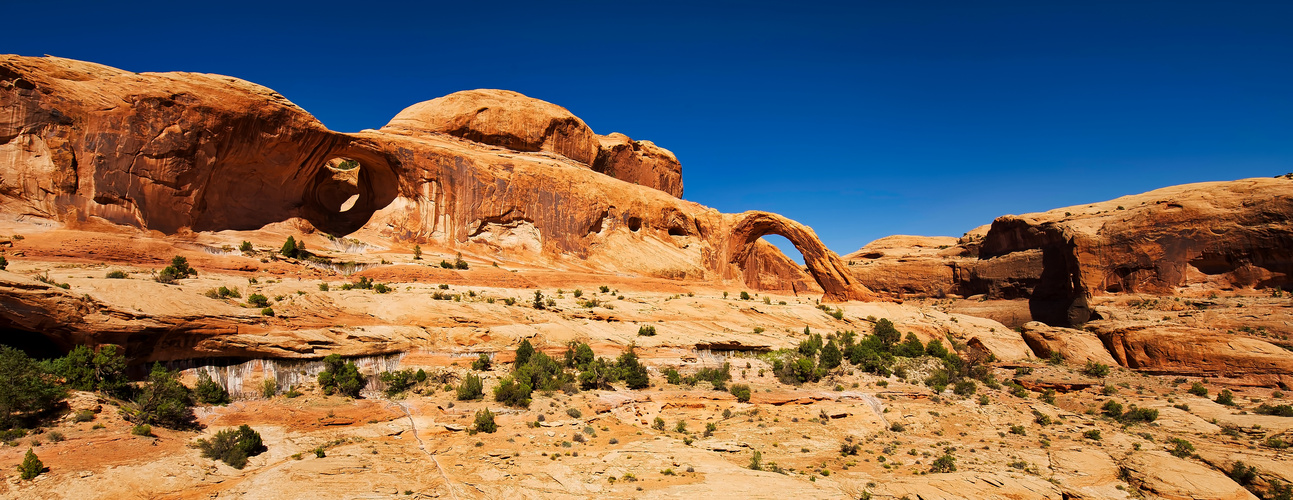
824 265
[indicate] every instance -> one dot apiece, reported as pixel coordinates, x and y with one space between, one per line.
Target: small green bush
482 363
646 331
1226 398
1093 434
1181 448
244 247
233 447
1093 369
470 388
258 300
964 388
1198 390
944 464
741 391
31 466
117 275
268 311
209 392
485 421
142 430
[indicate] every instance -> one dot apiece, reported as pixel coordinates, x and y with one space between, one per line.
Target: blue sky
860 119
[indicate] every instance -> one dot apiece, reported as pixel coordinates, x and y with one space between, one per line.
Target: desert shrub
292 248
1279 410
1093 434
809 346
742 392
710 427
574 413
142 430
459 263
658 424
1018 430
232 446
944 464
633 372
984 400
1023 370
1094 369
87 370
756 461
1112 408
1137 415
1226 398
83 416
209 392
886 333
646 331
482 363
672 376
398 381
269 388
578 355
830 357
597 374
1181 448
179 269
911 347
1198 390
1056 358
245 246
1242 473
485 422
1041 418
116 275
745 295
964 388
716 376
523 353
1108 390
31 466
512 392
258 300
471 388
382 288
4 263
268 311
897 427
1276 442
681 426
935 348
163 401
340 377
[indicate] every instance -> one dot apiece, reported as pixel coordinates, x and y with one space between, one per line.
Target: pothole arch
347 188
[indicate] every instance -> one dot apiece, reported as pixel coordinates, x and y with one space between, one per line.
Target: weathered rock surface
500 118
638 162
1075 346
1181 350
1173 478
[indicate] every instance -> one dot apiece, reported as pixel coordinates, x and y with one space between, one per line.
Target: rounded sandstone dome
501 118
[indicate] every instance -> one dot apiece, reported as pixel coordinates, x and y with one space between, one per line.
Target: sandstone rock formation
639 162
501 118
179 152
1205 236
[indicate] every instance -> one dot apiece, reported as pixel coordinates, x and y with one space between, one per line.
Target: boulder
1075 346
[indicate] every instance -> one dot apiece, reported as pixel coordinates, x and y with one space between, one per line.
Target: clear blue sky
860 119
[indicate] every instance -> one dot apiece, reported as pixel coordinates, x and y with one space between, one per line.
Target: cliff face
487 171
1206 236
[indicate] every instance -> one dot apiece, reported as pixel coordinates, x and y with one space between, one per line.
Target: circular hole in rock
339 190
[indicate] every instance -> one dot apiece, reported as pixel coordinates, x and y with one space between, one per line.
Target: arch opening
347 189
826 268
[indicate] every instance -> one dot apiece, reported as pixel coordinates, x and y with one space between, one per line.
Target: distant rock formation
1213 235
